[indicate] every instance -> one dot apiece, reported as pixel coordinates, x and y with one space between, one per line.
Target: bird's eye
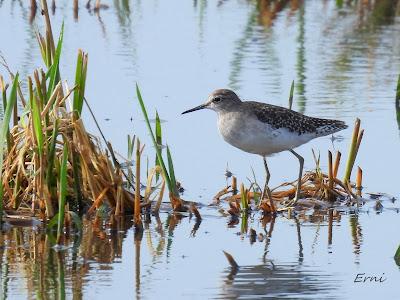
216 99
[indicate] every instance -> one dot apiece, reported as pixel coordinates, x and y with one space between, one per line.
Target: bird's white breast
251 135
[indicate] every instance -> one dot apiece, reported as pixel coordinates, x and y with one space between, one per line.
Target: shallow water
179 258
345 62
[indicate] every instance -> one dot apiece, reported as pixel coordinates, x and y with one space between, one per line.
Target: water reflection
290 280
28 255
342 53
357 237
46 271
279 281
254 39
301 61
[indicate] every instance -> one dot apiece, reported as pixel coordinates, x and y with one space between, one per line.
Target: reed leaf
54 75
158 151
4 96
158 140
397 256
243 199
3 133
172 172
356 139
80 82
37 123
53 222
398 90
51 156
63 193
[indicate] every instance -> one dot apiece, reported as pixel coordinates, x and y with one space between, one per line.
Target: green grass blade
63 193
4 94
171 171
80 82
158 140
163 167
243 198
51 156
398 90
3 133
78 75
55 71
53 222
397 256
37 123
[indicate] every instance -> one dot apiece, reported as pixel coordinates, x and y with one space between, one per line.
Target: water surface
344 59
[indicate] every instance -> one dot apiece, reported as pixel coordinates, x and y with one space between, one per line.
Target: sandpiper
265 129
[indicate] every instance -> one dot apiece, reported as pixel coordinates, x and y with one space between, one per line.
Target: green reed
5 132
168 176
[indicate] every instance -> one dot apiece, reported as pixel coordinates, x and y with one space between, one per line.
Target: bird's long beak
202 106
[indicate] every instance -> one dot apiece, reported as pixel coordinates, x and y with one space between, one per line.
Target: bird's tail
327 127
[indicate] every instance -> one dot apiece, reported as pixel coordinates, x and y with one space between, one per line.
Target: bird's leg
301 161
267 191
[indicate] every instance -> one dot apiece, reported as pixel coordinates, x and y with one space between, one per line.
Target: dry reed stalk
337 163
234 185
359 181
221 193
49 31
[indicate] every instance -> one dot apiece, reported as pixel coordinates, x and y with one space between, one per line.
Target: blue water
344 60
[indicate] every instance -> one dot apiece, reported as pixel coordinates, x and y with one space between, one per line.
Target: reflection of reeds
50 274
356 234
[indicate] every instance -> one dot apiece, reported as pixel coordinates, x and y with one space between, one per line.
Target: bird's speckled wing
280 117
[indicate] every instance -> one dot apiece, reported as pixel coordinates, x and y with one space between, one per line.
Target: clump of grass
47 158
5 132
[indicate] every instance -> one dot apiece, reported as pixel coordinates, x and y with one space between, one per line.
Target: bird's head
219 100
